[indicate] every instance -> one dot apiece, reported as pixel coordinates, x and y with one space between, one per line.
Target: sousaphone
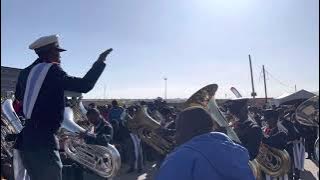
307 113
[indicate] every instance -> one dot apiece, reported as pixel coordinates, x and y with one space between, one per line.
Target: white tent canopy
302 94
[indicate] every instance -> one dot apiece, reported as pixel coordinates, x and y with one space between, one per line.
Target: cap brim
60 49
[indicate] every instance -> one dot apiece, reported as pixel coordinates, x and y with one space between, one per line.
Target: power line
274 78
279 81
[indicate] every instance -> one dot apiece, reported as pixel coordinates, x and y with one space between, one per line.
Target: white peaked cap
46 40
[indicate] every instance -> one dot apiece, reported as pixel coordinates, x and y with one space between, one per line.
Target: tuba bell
103 161
307 113
146 127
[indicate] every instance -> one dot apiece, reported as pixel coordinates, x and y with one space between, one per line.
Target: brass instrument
103 161
272 161
146 127
307 113
205 98
11 125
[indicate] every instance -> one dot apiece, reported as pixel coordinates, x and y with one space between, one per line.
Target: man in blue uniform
203 154
40 89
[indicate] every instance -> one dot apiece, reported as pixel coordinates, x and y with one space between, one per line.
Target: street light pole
165 88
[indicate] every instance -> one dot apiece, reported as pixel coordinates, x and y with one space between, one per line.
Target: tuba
272 161
11 124
146 127
103 161
307 113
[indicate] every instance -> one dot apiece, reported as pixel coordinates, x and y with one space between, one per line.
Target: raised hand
104 55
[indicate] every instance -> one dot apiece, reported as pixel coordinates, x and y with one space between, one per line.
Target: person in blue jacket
203 154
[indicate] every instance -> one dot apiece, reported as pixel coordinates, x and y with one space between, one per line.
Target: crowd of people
275 127
203 150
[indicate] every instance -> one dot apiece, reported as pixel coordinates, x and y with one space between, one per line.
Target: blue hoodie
211 156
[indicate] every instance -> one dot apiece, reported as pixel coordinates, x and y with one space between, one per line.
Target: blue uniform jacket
211 156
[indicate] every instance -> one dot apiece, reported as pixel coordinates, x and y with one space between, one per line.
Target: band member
203 154
248 131
102 132
294 145
276 136
132 145
115 115
40 89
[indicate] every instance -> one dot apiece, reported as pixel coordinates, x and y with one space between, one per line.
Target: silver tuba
11 125
143 125
307 113
103 161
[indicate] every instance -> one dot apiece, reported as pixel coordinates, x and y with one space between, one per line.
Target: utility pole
253 94
295 88
265 84
165 88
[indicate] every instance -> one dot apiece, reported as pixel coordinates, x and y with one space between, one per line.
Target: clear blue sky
193 43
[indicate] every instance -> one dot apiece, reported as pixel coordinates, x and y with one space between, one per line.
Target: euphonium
103 161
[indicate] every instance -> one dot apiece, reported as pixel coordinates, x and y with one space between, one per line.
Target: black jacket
277 138
40 130
250 135
103 134
293 133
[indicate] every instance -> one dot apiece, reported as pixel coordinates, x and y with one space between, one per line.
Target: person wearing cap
40 89
102 131
248 131
276 137
202 154
295 145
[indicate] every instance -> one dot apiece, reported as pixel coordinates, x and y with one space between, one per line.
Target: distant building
9 77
